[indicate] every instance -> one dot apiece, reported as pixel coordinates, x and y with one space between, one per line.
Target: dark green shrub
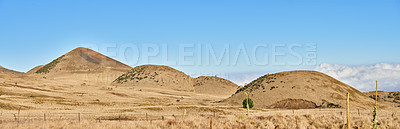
332 105
251 105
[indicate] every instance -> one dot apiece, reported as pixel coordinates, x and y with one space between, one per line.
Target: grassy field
199 117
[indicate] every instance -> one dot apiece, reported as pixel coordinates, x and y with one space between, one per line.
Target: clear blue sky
346 32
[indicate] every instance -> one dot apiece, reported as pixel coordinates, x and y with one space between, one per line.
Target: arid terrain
85 89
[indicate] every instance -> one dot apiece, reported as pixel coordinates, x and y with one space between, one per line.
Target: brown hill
157 77
386 97
169 78
276 90
8 71
214 86
32 71
84 64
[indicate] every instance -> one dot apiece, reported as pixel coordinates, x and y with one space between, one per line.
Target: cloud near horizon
242 79
363 77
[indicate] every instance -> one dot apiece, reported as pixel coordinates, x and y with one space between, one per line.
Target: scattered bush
373 97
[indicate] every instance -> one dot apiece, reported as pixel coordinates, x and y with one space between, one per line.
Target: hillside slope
302 88
157 76
214 86
33 70
83 60
8 71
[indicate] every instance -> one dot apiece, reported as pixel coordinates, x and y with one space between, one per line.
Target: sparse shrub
251 105
374 112
393 114
397 98
375 126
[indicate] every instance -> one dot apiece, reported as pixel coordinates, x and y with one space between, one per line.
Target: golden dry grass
281 119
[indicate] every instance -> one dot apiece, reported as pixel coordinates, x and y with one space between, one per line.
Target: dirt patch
119 94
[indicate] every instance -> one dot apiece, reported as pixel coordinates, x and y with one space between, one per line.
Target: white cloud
363 77
244 78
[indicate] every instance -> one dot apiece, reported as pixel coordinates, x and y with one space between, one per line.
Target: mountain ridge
82 59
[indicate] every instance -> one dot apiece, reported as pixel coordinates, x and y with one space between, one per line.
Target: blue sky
346 32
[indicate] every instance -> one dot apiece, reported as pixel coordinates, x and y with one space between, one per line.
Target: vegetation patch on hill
51 65
393 97
258 83
294 104
135 74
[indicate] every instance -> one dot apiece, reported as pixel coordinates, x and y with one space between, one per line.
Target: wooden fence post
348 110
210 122
19 110
146 117
214 114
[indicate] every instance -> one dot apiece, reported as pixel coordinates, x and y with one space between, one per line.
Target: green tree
251 105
